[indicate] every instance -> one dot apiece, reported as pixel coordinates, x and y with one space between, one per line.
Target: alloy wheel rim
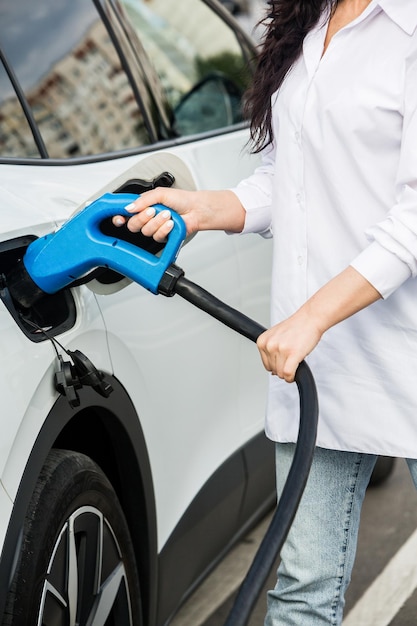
86 581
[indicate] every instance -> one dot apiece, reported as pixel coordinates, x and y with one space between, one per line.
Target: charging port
53 314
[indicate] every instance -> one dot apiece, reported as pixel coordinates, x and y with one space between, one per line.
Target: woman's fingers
284 346
159 225
149 222
137 221
146 219
276 358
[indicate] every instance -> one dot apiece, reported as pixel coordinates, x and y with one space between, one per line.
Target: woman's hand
200 210
285 345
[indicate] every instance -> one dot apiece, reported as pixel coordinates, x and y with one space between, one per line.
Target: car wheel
77 564
383 468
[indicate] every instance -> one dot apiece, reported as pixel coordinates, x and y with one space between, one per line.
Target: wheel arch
108 430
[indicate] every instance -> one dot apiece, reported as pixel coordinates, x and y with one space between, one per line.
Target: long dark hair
287 23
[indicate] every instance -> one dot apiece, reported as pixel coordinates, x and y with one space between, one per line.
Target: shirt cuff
383 269
258 215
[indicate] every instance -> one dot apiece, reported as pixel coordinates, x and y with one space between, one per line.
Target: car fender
128 470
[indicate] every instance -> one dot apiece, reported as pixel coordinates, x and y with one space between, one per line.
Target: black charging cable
174 282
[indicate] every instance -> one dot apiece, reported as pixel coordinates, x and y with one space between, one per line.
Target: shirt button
297 136
300 260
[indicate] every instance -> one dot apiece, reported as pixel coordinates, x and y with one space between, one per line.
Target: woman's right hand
145 219
200 210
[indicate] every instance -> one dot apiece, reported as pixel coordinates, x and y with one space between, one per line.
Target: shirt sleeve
255 194
391 257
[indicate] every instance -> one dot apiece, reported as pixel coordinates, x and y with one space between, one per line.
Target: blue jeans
318 555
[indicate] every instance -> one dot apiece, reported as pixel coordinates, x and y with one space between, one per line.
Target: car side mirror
215 102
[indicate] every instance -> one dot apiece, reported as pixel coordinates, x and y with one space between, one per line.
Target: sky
29 38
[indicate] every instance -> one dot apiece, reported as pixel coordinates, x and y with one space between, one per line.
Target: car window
15 134
198 59
72 77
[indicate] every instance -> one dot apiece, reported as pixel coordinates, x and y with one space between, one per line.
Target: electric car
132 452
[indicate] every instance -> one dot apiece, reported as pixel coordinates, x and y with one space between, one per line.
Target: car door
200 65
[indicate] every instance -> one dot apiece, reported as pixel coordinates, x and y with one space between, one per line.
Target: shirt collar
402 12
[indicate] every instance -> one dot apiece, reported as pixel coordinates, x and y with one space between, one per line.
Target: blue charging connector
56 260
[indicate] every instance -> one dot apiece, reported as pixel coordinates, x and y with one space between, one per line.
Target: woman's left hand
285 345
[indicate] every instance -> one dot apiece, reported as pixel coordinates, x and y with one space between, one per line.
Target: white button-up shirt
339 188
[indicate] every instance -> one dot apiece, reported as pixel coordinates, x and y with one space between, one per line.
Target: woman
333 110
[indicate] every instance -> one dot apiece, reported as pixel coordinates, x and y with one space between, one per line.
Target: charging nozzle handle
56 260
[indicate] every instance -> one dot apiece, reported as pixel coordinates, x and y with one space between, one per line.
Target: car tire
382 470
77 559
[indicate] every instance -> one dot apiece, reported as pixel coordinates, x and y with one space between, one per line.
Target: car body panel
58 201
28 391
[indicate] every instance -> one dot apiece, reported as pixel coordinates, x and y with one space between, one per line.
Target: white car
114 506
